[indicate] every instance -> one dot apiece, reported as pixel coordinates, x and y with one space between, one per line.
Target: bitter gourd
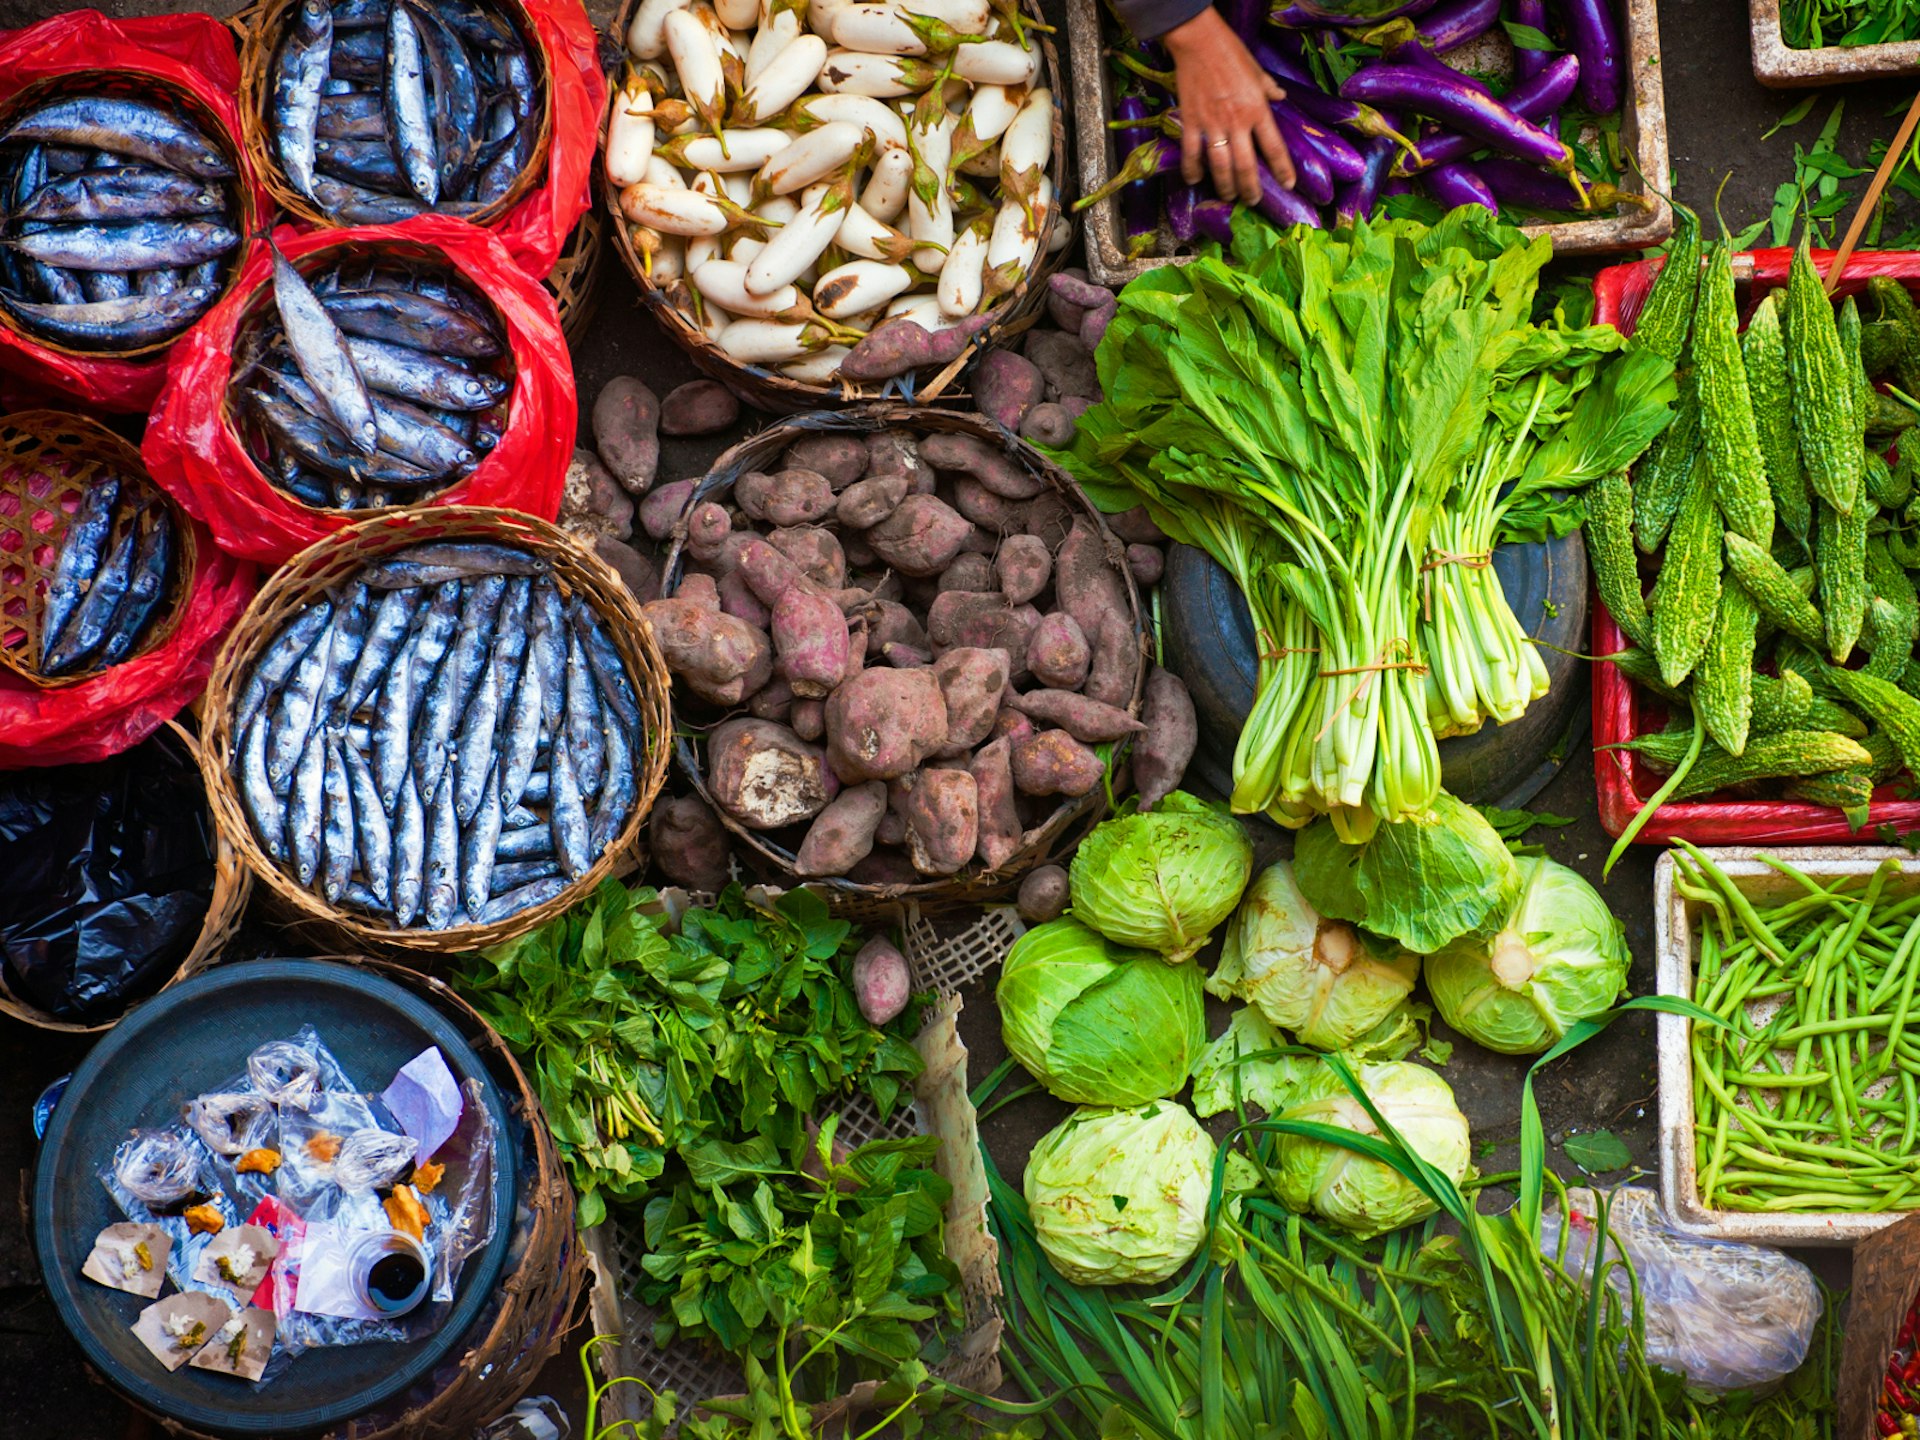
1821 380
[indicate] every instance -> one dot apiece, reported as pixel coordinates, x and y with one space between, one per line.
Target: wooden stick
1872 197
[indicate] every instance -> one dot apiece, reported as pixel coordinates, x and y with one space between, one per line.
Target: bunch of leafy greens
1816 24
1347 421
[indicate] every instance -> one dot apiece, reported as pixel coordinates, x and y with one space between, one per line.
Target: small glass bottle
389 1271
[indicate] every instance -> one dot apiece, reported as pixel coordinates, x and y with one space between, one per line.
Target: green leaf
1525 37
1598 1153
1794 116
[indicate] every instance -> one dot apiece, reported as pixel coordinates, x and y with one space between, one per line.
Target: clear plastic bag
371 1158
233 1122
285 1072
155 1176
1725 1315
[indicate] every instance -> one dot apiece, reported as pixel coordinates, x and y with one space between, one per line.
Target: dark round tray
195 1035
1208 634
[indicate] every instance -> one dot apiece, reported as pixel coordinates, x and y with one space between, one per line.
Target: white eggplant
1015 243
738 14
963 276
728 152
630 132
848 72
981 164
803 239
819 367
724 282
1027 147
862 110
822 13
784 79
886 193
776 32
674 116
777 210
877 29
997 62
859 285
663 257
738 187
770 342
929 203
871 239
701 249
923 310
696 55
745 247
659 172
1061 236
990 110
646 34
672 212
811 158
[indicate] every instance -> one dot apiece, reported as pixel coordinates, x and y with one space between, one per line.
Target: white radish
811 158
729 151
817 368
630 132
769 342
886 193
776 32
696 55
803 239
929 204
784 80
862 110
877 30
724 282
859 285
672 212
848 72
861 234
1027 147
646 34
738 14
997 62
659 172
962 278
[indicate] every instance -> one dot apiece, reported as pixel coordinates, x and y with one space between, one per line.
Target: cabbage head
1119 1197
1322 979
1560 958
1163 879
1353 1191
1097 1023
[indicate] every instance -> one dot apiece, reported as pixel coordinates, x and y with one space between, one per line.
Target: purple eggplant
1143 162
1342 159
1456 185
1244 17
1531 13
1182 202
1356 199
1284 206
1311 175
1456 103
1331 12
1446 26
1213 220
1140 201
1594 36
1400 44
1534 100
1515 182
1395 185
1306 95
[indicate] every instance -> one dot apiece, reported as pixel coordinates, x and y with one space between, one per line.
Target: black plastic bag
109 872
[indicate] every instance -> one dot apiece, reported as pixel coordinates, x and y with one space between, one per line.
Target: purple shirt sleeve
1150 19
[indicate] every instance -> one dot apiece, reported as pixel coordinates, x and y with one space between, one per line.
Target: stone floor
1717 117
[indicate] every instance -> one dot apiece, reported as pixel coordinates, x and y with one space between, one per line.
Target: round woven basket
169 96
1073 817
231 886
575 281
768 389
260 28
545 1284
406 253
47 461
336 560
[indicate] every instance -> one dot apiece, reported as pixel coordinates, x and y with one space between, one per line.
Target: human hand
1224 99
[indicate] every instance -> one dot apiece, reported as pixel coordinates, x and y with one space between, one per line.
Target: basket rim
971 884
379 534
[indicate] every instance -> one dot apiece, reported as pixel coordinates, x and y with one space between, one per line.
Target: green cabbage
1561 957
1119 1197
1096 1023
1352 1191
1164 879
1322 979
1243 1065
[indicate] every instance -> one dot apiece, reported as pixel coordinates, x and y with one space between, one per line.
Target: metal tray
1643 130
1673 919
1779 65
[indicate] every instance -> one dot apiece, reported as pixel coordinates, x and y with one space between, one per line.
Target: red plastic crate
1622 710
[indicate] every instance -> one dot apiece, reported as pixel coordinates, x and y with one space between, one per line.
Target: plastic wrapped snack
1725 1315
286 1073
160 1168
231 1124
372 1158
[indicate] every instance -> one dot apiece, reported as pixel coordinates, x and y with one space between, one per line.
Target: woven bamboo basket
768 389
260 29
47 461
1073 817
544 1288
231 886
423 258
169 96
575 281
336 560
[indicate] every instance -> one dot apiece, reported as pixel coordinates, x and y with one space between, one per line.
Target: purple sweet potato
810 637
1057 652
1070 294
1054 763
689 843
765 776
1064 361
842 835
1160 757
702 590
882 983
639 573
1006 386
884 868
1049 425
963 618
890 349
808 719
768 571
892 829
1115 667
1050 519
722 659
626 431
890 622
921 537
1136 527
986 463
737 598
1078 405
865 503
981 541
986 509
992 771
708 527
1085 580
662 507
699 407
1044 895
1147 564
1023 567
773 700
1084 719
883 723
968 572
895 452
792 497
942 811
841 458
1093 326
905 657
859 554
1011 725
972 683
815 550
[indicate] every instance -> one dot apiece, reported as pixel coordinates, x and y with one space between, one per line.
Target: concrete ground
1716 117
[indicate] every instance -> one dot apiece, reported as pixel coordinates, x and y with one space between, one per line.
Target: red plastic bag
196 455
120 707
194 52
536 229
1622 710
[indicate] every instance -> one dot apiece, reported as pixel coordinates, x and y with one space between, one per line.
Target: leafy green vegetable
1512 825
1161 880
1599 1152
